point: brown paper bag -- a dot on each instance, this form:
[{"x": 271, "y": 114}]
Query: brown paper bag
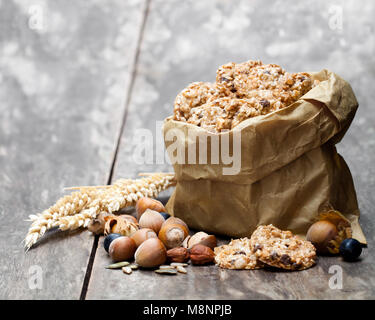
[{"x": 289, "y": 169}]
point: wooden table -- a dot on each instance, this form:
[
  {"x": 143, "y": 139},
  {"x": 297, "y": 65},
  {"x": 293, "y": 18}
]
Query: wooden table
[{"x": 78, "y": 78}]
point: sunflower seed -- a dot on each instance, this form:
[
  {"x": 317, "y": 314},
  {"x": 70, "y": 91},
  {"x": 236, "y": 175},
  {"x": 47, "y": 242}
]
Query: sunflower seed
[
  {"x": 179, "y": 264},
  {"x": 181, "y": 269},
  {"x": 127, "y": 270},
  {"x": 117, "y": 265}
]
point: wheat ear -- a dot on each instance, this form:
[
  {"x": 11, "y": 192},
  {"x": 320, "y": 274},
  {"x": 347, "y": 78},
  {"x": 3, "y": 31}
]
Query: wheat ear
[
  {"x": 82, "y": 206},
  {"x": 67, "y": 205},
  {"x": 122, "y": 194}
]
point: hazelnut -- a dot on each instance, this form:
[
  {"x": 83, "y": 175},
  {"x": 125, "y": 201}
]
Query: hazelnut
[
  {"x": 179, "y": 254},
  {"x": 328, "y": 233},
  {"x": 147, "y": 203},
  {"x": 142, "y": 235},
  {"x": 119, "y": 224},
  {"x": 201, "y": 254},
  {"x": 321, "y": 234},
  {"x": 108, "y": 240},
  {"x": 172, "y": 235},
  {"x": 174, "y": 220},
  {"x": 122, "y": 248},
  {"x": 151, "y": 253},
  {"x": 151, "y": 219},
  {"x": 202, "y": 238}
]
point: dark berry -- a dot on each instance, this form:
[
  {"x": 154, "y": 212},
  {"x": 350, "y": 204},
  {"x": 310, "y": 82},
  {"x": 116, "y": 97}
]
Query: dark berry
[
  {"x": 350, "y": 249},
  {"x": 165, "y": 215},
  {"x": 108, "y": 239}
]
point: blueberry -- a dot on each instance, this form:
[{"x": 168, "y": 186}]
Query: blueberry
[
  {"x": 165, "y": 215},
  {"x": 350, "y": 249},
  {"x": 108, "y": 239}
]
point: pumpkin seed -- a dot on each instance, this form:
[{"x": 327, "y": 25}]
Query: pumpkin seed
[
  {"x": 171, "y": 271},
  {"x": 117, "y": 265}
]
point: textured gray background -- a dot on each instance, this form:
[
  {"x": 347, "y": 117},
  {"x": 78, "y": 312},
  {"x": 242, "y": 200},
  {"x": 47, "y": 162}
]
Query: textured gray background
[{"x": 67, "y": 89}]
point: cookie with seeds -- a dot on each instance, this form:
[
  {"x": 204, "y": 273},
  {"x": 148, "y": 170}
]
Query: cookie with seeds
[
  {"x": 237, "y": 255},
  {"x": 194, "y": 95},
  {"x": 241, "y": 91},
  {"x": 282, "y": 249},
  {"x": 242, "y": 80}
]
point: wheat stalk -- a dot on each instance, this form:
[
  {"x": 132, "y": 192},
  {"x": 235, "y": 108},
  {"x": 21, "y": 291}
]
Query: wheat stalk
[
  {"x": 67, "y": 205},
  {"x": 76, "y": 210},
  {"x": 121, "y": 195}
]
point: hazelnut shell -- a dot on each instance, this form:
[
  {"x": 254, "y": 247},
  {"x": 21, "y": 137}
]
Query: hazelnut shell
[
  {"x": 172, "y": 235},
  {"x": 175, "y": 220},
  {"x": 130, "y": 218},
  {"x": 185, "y": 244},
  {"x": 322, "y": 235},
  {"x": 96, "y": 226},
  {"x": 122, "y": 248},
  {"x": 119, "y": 224},
  {"x": 202, "y": 238},
  {"x": 151, "y": 253},
  {"x": 147, "y": 203},
  {"x": 142, "y": 235},
  {"x": 151, "y": 219}
]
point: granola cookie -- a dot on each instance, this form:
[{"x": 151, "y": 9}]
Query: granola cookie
[
  {"x": 225, "y": 113},
  {"x": 237, "y": 255},
  {"x": 282, "y": 249},
  {"x": 194, "y": 95},
  {"x": 252, "y": 77},
  {"x": 241, "y": 91}
]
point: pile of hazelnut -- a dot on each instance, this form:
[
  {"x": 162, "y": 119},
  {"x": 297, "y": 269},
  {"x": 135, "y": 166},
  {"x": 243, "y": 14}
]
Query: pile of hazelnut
[{"x": 154, "y": 240}]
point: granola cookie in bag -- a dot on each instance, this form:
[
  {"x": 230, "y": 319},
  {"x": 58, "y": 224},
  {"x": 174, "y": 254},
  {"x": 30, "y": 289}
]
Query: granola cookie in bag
[{"x": 281, "y": 130}]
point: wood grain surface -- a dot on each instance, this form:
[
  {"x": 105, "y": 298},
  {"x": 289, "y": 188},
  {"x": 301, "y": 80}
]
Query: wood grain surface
[
  {"x": 62, "y": 97},
  {"x": 65, "y": 90}
]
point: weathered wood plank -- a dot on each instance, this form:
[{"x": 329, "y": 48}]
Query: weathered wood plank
[
  {"x": 187, "y": 41},
  {"x": 211, "y": 282},
  {"x": 62, "y": 97}
]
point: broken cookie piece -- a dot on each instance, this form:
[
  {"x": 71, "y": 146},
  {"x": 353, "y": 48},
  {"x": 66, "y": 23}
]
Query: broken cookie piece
[{"x": 237, "y": 255}]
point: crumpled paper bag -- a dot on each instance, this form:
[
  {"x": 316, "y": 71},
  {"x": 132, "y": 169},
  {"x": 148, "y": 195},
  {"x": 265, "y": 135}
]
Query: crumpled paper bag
[{"x": 289, "y": 168}]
